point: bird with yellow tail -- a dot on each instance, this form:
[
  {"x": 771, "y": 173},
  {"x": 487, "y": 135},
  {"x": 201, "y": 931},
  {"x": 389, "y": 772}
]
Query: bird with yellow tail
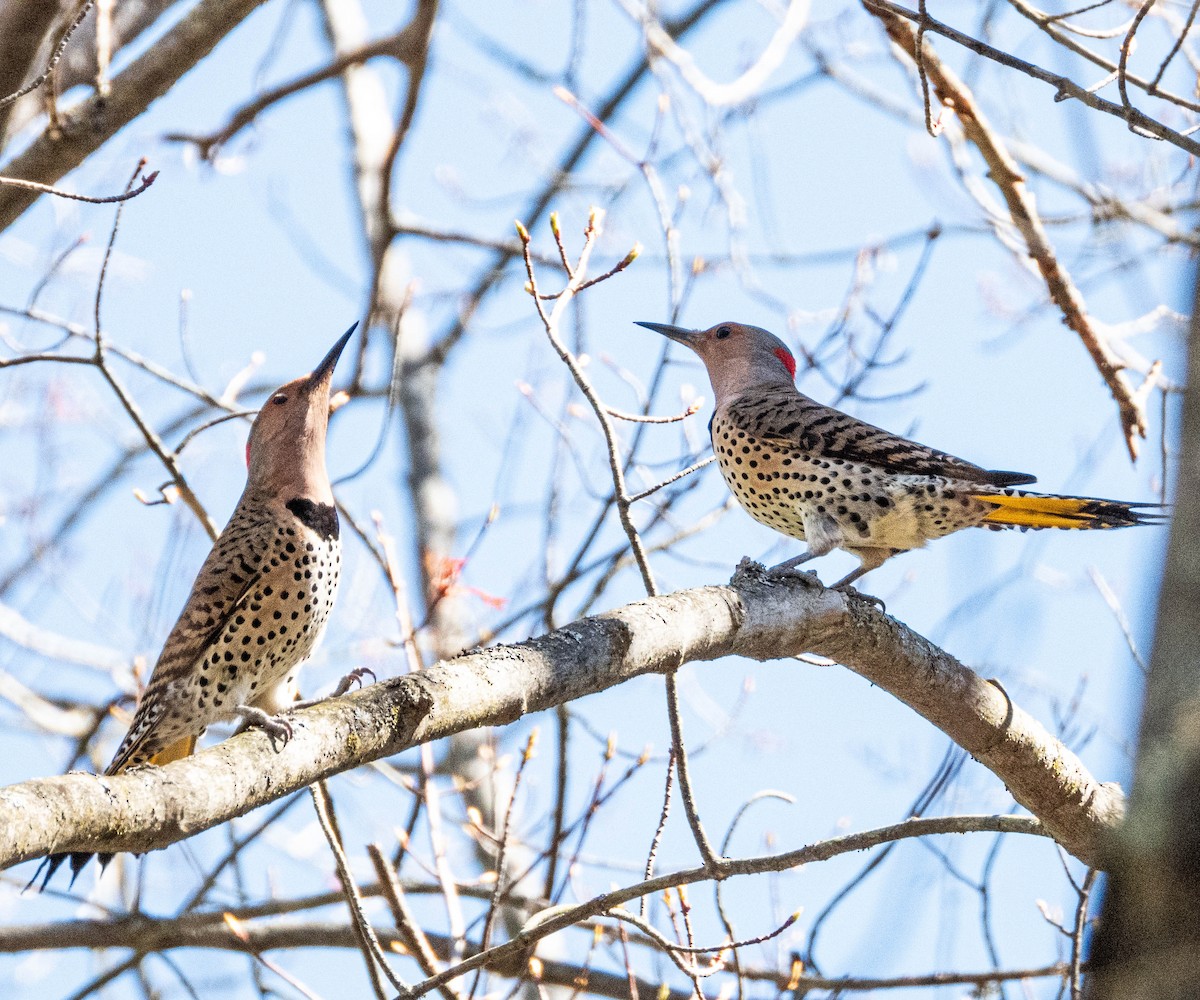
[
  {"x": 260, "y": 601},
  {"x": 836, "y": 482}
]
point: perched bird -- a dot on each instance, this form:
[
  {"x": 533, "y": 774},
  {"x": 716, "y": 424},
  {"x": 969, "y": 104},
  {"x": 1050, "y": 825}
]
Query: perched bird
[
  {"x": 261, "y": 599},
  {"x": 817, "y": 474}
]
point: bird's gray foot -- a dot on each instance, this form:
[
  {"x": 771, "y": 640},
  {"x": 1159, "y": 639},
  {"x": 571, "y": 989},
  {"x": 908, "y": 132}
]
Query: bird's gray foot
[
  {"x": 789, "y": 569},
  {"x": 277, "y": 727},
  {"x": 749, "y": 571},
  {"x": 785, "y": 572}
]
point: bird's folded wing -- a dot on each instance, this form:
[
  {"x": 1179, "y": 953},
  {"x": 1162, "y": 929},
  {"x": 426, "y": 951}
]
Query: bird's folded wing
[
  {"x": 820, "y": 430},
  {"x": 224, "y": 588}
]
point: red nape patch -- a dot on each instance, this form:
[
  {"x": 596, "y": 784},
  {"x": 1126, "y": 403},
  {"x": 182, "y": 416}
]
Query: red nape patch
[{"x": 784, "y": 355}]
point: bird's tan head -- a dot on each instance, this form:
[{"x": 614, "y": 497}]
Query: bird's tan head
[
  {"x": 286, "y": 449},
  {"x": 738, "y": 356}
]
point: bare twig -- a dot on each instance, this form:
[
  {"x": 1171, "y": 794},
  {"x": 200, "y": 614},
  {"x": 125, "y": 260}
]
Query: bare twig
[
  {"x": 673, "y": 479},
  {"x": 681, "y": 763},
  {"x": 746, "y": 86},
  {"x": 155, "y": 443},
  {"x": 428, "y": 788},
  {"x": 505, "y": 834},
  {"x": 74, "y": 196},
  {"x": 640, "y": 418},
  {"x": 550, "y": 322},
  {"x": 404, "y": 45},
  {"x": 55, "y": 56},
  {"x": 406, "y": 922},
  {"x": 1075, "y": 977},
  {"x": 236, "y": 929},
  {"x": 663, "y": 814},
  {"x": 371, "y": 948},
  {"x": 559, "y": 918},
  {"x": 1123, "y": 63},
  {"x": 1064, "y": 87}
]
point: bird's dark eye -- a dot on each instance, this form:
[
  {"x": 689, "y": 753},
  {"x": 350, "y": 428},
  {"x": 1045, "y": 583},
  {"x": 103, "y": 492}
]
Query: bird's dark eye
[
  {"x": 279, "y": 399},
  {"x": 723, "y": 332}
]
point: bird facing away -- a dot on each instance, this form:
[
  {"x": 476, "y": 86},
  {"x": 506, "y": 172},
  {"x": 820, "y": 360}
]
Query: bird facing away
[
  {"x": 823, "y": 476},
  {"x": 260, "y": 601}
]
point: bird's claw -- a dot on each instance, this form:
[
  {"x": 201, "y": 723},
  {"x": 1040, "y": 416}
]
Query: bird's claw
[
  {"x": 354, "y": 677},
  {"x": 277, "y": 727},
  {"x": 858, "y": 595}
]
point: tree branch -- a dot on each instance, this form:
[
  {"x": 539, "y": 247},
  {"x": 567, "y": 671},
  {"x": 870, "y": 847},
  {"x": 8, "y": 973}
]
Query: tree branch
[
  {"x": 753, "y": 616},
  {"x": 149, "y": 934}
]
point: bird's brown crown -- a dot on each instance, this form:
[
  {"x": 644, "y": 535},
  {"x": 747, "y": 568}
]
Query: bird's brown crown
[{"x": 287, "y": 440}]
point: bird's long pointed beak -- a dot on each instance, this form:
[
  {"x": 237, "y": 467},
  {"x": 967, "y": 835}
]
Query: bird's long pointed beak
[
  {"x": 324, "y": 371},
  {"x": 679, "y": 334}
]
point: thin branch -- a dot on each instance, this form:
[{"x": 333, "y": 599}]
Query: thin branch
[
  {"x": 745, "y": 87},
  {"x": 405, "y": 46},
  {"x": 74, "y": 196},
  {"x": 560, "y": 918},
  {"x": 663, "y": 815},
  {"x": 641, "y": 418},
  {"x": 1123, "y": 62},
  {"x": 168, "y": 458},
  {"x": 1075, "y": 977},
  {"x": 505, "y": 835},
  {"x": 679, "y": 748},
  {"x": 550, "y": 321},
  {"x": 1064, "y": 87},
  {"x": 670, "y": 946},
  {"x": 42, "y": 77},
  {"x": 616, "y": 467},
  {"x": 1050, "y": 24},
  {"x": 255, "y": 937},
  {"x": 673, "y": 479},
  {"x": 369, "y": 941},
  {"x": 407, "y": 924}
]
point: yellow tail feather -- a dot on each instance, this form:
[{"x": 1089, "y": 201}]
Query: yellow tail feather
[
  {"x": 176, "y": 751},
  {"x": 1030, "y": 510}
]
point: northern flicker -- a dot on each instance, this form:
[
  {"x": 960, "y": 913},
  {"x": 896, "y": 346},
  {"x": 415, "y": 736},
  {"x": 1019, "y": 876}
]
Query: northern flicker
[
  {"x": 823, "y": 476},
  {"x": 260, "y": 601}
]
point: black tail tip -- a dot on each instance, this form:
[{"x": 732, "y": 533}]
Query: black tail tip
[
  {"x": 1002, "y": 478},
  {"x": 49, "y": 865},
  {"x": 1119, "y": 514},
  {"x": 52, "y": 863}
]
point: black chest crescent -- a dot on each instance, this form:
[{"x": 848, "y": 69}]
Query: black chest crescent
[{"x": 320, "y": 517}]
